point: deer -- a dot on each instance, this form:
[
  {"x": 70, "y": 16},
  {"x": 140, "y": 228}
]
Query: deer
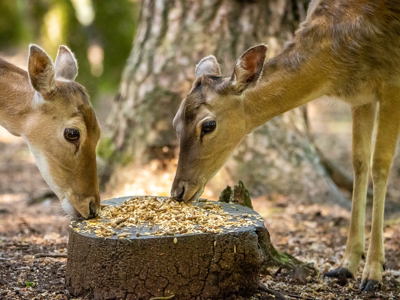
[
  {"x": 349, "y": 49},
  {"x": 54, "y": 115}
]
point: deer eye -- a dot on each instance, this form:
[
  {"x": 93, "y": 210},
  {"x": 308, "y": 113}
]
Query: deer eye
[
  {"x": 71, "y": 135},
  {"x": 208, "y": 127}
]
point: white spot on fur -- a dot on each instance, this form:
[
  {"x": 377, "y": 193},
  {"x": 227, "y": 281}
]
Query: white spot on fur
[{"x": 37, "y": 99}]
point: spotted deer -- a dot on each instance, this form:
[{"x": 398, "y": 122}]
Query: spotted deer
[
  {"x": 53, "y": 114},
  {"x": 349, "y": 49}
]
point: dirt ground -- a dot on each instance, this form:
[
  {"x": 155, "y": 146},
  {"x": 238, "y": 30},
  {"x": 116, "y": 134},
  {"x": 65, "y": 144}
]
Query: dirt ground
[{"x": 315, "y": 234}]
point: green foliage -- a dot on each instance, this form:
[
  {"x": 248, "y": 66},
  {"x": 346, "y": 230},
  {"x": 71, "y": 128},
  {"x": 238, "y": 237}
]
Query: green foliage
[
  {"x": 106, "y": 151},
  {"x": 105, "y": 148},
  {"x": 29, "y": 283},
  {"x": 12, "y": 27},
  {"x": 50, "y": 23}
]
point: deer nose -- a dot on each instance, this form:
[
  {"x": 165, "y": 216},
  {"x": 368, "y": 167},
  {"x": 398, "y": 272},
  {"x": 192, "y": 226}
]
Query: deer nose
[
  {"x": 94, "y": 208},
  {"x": 178, "y": 193}
]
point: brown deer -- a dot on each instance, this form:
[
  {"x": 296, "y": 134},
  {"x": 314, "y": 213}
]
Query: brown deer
[
  {"x": 345, "y": 48},
  {"x": 53, "y": 114}
]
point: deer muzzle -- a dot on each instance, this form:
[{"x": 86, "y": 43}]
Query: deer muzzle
[
  {"x": 82, "y": 207},
  {"x": 185, "y": 190}
]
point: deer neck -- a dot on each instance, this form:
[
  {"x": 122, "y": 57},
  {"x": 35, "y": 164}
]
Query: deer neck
[
  {"x": 287, "y": 82},
  {"x": 16, "y": 98}
]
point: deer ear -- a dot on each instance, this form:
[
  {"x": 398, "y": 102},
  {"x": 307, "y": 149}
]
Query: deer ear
[
  {"x": 40, "y": 70},
  {"x": 248, "y": 68},
  {"x": 208, "y": 65},
  {"x": 66, "y": 65}
]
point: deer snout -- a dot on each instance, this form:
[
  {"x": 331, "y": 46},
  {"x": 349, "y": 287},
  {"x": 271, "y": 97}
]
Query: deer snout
[
  {"x": 186, "y": 190},
  {"x": 94, "y": 207},
  {"x": 82, "y": 207},
  {"x": 177, "y": 191}
]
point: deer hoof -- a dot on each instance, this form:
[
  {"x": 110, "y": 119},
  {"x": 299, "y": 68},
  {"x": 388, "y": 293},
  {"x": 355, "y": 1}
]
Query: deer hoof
[
  {"x": 370, "y": 285},
  {"x": 335, "y": 273}
]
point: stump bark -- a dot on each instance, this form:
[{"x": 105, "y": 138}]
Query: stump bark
[{"x": 188, "y": 266}]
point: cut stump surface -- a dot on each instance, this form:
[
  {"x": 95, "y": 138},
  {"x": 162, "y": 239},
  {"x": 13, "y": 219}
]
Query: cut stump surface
[{"x": 188, "y": 266}]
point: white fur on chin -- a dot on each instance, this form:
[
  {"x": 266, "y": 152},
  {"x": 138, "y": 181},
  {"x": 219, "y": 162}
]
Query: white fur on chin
[{"x": 69, "y": 209}]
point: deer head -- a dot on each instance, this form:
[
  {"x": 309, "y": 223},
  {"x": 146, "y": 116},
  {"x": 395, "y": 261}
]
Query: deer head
[
  {"x": 62, "y": 131},
  {"x": 212, "y": 120}
]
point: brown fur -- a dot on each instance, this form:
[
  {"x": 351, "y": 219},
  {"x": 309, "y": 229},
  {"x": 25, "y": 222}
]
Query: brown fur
[
  {"x": 356, "y": 41},
  {"x": 345, "y": 48},
  {"x": 39, "y": 106}
]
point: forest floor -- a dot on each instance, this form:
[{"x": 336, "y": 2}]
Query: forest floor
[
  {"x": 314, "y": 234},
  {"x": 31, "y": 234}
]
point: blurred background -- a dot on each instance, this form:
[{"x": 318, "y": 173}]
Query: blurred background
[{"x": 99, "y": 32}]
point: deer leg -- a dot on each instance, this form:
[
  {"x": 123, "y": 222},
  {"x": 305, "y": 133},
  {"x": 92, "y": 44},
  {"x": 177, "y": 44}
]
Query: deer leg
[
  {"x": 385, "y": 147},
  {"x": 363, "y": 125}
]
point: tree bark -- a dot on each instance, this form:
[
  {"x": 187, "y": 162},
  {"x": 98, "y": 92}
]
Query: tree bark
[
  {"x": 172, "y": 37},
  {"x": 188, "y": 266}
]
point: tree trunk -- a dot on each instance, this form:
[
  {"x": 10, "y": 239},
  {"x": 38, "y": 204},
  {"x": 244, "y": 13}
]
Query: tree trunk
[
  {"x": 188, "y": 266},
  {"x": 172, "y": 37}
]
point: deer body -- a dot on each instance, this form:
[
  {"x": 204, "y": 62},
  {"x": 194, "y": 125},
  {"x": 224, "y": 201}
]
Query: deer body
[
  {"x": 349, "y": 49},
  {"x": 53, "y": 114}
]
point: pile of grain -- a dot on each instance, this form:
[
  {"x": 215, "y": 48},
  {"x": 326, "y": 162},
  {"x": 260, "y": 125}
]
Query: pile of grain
[{"x": 164, "y": 216}]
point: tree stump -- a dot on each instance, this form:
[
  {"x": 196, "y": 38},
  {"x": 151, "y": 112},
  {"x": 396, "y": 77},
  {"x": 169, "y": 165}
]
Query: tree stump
[{"x": 188, "y": 266}]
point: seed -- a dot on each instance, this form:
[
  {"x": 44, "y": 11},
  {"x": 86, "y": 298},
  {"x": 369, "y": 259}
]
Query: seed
[
  {"x": 169, "y": 216},
  {"x": 137, "y": 234},
  {"x": 175, "y": 240},
  {"x": 120, "y": 226},
  {"x": 119, "y": 221},
  {"x": 122, "y": 235}
]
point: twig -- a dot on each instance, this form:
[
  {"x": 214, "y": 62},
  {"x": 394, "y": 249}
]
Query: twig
[
  {"x": 277, "y": 295},
  {"x": 50, "y": 255},
  {"x": 4, "y": 282},
  {"x": 300, "y": 297},
  {"x": 162, "y": 298},
  {"x": 297, "y": 297}
]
